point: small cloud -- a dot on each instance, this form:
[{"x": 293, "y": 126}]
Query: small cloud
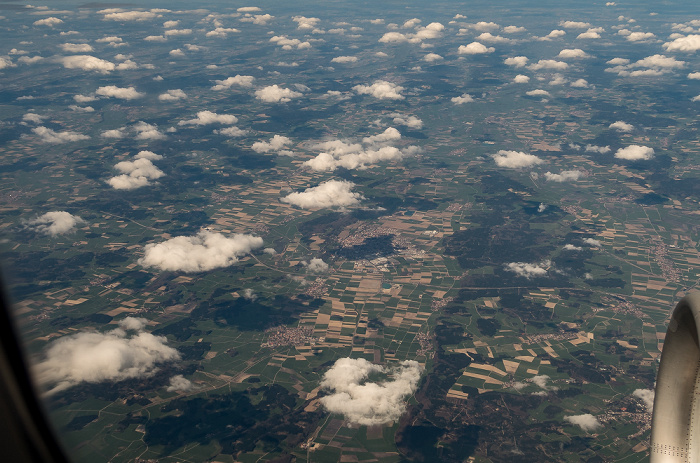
[
  {"x": 47, "y": 135},
  {"x": 647, "y": 396},
  {"x": 474, "y": 48},
  {"x": 87, "y": 63},
  {"x": 571, "y": 247},
  {"x": 232, "y": 132},
  {"x": 580, "y": 83},
  {"x": 123, "y": 93},
  {"x": 516, "y": 61},
  {"x": 50, "y": 21},
  {"x": 621, "y": 126},
  {"x": 573, "y": 53},
  {"x": 172, "y": 95},
  {"x": 208, "y": 117},
  {"x": 130, "y": 16},
  {"x": 538, "y": 92},
  {"x": 463, "y": 98},
  {"x": 586, "y": 422},
  {"x": 516, "y": 159},
  {"x": 635, "y": 153},
  {"x": 276, "y": 94},
  {"x": 316, "y": 265},
  {"x": 548, "y": 64},
  {"x": 381, "y": 90},
  {"x": 137, "y": 173},
  {"x": 411, "y": 122},
  {"x": 432, "y": 57},
  {"x": 276, "y": 143},
  {"x": 180, "y": 384},
  {"x": 574, "y": 24},
  {"x": 521, "y": 79},
  {"x": 55, "y": 223},
  {"x": 242, "y": 81},
  {"x": 527, "y": 270},
  {"x": 564, "y": 176},
  {"x": 332, "y": 193},
  {"x": 344, "y": 59},
  {"x": 597, "y": 149},
  {"x": 592, "y": 242},
  {"x": 199, "y": 253},
  {"x": 76, "y": 47}
]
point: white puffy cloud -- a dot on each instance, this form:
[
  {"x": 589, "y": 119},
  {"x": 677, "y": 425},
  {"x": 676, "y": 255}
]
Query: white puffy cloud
[
  {"x": 654, "y": 65},
  {"x": 32, "y": 117},
  {"x": 521, "y": 79},
  {"x": 432, "y": 57},
  {"x": 145, "y": 154},
  {"x": 589, "y": 34},
  {"x": 306, "y": 23},
  {"x": 248, "y": 9},
  {"x": 647, "y": 396},
  {"x": 556, "y": 33},
  {"x": 586, "y": 422},
  {"x": 76, "y": 47},
  {"x": 622, "y": 126},
  {"x": 538, "y": 92},
  {"x": 199, "y": 253},
  {"x": 574, "y": 24},
  {"x": 176, "y": 52},
  {"x": 527, "y": 270},
  {"x": 50, "y": 21},
  {"x": 84, "y": 98},
  {"x": 516, "y": 61},
  {"x": 85, "y": 109},
  {"x": 222, "y": 32},
  {"x": 242, "y": 81},
  {"x": 259, "y": 19},
  {"x": 123, "y": 93},
  {"x": 47, "y": 135},
  {"x": 87, "y": 63},
  {"x": 145, "y": 131},
  {"x": 365, "y": 402},
  {"x": 639, "y": 36},
  {"x": 114, "y": 133},
  {"x": 55, "y": 223},
  {"x": 635, "y": 153},
  {"x": 276, "y": 143},
  {"x": 580, "y": 83},
  {"x": 289, "y": 44},
  {"x": 597, "y": 149},
  {"x": 573, "y": 53},
  {"x": 513, "y": 29},
  {"x": 172, "y": 95},
  {"x": 592, "y": 242},
  {"x": 483, "y": 26},
  {"x": 548, "y": 64},
  {"x": 180, "y": 384},
  {"x": 93, "y": 357},
  {"x": 563, "y": 176},
  {"x": 381, "y": 89},
  {"x": 489, "y": 37},
  {"x": 411, "y": 122},
  {"x": 333, "y": 193},
  {"x": 618, "y": 61},
  {"x": 344, "y": 59},
  {"x": 316, "y": 265},
  {"x": 694, "y": 75},
  {"x": 463, "y": 98},
  {"x": 27, "y": 60},
  {"x": 474, "y": 48},
  {"x": 231, "y": 132},
  {"x": 571, "y": 247},
  {"x": 558, "y": 79},
  {"x": 208, "y": 117},
  {"x": 135, "y": 174},
  {"x": 515, "y": 159},
  {"x": 155, "y": 38},
  {"x": 689, "y": 43},
  {"x": 130, "y": 16},
  {"x": 177, "y": 32},
  {"x": 276, "y": 94}
]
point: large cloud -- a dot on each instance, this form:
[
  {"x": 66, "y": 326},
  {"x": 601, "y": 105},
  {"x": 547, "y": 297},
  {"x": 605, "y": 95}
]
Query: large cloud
[
  {"x": 365, "y": 402},
  {"x": 87, "y": 63},
  {"x": 333, "y": 193},
  {"x": 373, "y": 149},
  {"x": 199, "y": 253},
  {"x": 515, "y": 159},
  {"x": 123, "y": 93},
  {"x": 208, "y": 117},
  {"x": 136, "y": 173},
  {"x": 276, "y": 94},
  {"x": 647, "y": 396},
  {"x": 690, "y": 43},
  {"x": 381, "y": 89},
  {"x": 47, "y": 135},
  {"x": 586, "y": 422},
  {"x": 55, "y": 223},
  {"x": 635, "y": 153},
  {"x": 94, "y": 357},
  {"x": 242, "y": 81}
]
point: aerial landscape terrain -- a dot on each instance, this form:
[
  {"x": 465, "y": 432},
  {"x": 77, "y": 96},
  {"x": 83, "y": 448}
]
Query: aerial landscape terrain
[{"x": 349, "y": 231}]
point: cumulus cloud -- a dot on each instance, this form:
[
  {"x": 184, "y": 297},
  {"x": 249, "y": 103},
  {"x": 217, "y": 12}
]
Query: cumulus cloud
[
  {"x": 597, "y": 149},
  {"x": 337, "y": 153},
  {"x": 463, "y": 98},
  {"x": 222, "y": 32},
  {"x": 113, "y": 133},
  {"x": 180, "y": 384},
  {"x": 622, "y": 126},
  {"x": 586, "y": 422},
  {"x": 592, "y": 242},
  {"x": 242, "y": 81},
  {"x": 55, "y": 223},
  {"x": 123, "y": 93},
  {"x": 333, "y": 193},
  {"x": 689, "y": 43},
  {"x": 548, "y": 64},
  {"x": 432, "y": 57},
  {"x": 639, "y": 36},
  {"x": 47, "y": 135},
  {"x": 123, "y": 16},
  {"x": 556, "y": 33},
  {"x": 563, "y": 176},
  {"x": 538, "y": 92},
  {"x": 589, "y": 34},
  {"x": 137, "y": 173},
  {"x": 694, "y": 75},
  {"x": 276, "y": 143},
  {"x": 145, "y": 131},
  {"x": 50, "y": 21},
  {"x": 474, "y": 48},
  {"x": 289, "y": 44},
  {"x": 172, "y": 95},
  {"x": 316, "y": 265},
  {"x": 513, "y": 29},
  {"x": 647, "y": 396},
  {"x": 381, "y": 89},
  {"x": 93, "y": 357},
  {"x": 573, "y": 53},
  {"x": 84, "y": 98},
  {"x": 208, "y": 117},
  {"x": 87, "y": 63},
  {"x": 411, "y": 122},
  {"x": 32, "y": 117},
  {"x": 574, "y": 24},
  {"x": 276, "y": 94},
  {"x": 571, "y": 247},
  {"x": 199, "y": 253},
  {"x": 365, "y": 402},
  {"x": 528, "y": 270},
  {"x": 521, "y": 79},
  {"x": 76, "y": 47},
  {"x": 516, "y": 61},
  {"x": 231, "y": 132},
  {"x": 635, "y": 153},
  {"x": 580, "y": 83},
  {"x": 516, "y": 159},
  {"x": 344, "y": 59},
  {"x": 654, "y": 65}
]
